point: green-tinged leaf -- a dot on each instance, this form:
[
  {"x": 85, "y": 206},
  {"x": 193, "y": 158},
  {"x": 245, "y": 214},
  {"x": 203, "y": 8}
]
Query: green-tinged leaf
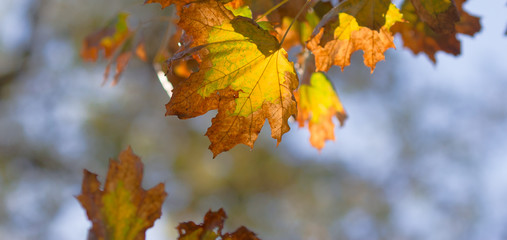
[
  {"x": 123, "y": 210},
  {"x": 243, "y": 73},
  {"x": 317, "y": 104}
]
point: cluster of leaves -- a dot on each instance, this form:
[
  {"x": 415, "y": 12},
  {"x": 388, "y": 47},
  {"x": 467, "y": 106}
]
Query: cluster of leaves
[
  {"x": 124, "y": 210},
  {"x": 232, "y": 57}
]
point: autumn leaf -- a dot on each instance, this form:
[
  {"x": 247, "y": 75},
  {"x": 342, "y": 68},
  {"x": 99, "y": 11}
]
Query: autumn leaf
[
  {"x": 243, "y": 73},
  {"x": 440, "y": 15},
  {"x": 116, "y": 41},
  {"x": 420, "y": 37},
  {"x": 354, "y": 25},
  {"x": 211, "y": 229},
  {"x": 239, "y": 8},
  {"x": 318, "y": 103},
  {"x": 123, "y": 210}
]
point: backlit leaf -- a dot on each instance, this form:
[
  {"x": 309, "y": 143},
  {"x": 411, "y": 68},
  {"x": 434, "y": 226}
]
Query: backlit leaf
[
  {"x": 123, "y": 210},
  {"x": 242, "y": 72},
  {"x": 354, "y": 25},
  {"x": 318, "y": 103}
]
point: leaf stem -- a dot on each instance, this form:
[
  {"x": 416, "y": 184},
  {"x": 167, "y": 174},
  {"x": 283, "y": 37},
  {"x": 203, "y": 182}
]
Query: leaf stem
[
  {"x": 271, "y": 10},
  {"x": 308, "y": 67},
  {"x": 294, "y": 20}
]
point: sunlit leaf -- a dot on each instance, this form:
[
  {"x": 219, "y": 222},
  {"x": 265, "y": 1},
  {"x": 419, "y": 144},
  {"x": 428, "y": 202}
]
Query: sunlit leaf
[
  {"x": 354, "y": 25},
  {"x": 242, "y": 72},
  {"x": 318, "y": 103}
]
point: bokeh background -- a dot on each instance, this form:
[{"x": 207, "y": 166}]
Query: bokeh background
[{"x": 423, "y": 154}]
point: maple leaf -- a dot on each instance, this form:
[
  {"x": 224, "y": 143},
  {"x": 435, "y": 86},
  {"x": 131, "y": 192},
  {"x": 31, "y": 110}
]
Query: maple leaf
[
  {"x": 420, "y": 37},
  {"x": 115, "y": 40},
  {"x": 354, "y": 25},
  {"x": 211, "y": 229},
  {"x": 243, "y": 73},
  {"x": 123, "y": 210},
  {"x": 317, "y": 104}
]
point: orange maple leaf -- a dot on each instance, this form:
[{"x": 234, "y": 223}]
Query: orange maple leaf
[{"x": 354, "y": 25}]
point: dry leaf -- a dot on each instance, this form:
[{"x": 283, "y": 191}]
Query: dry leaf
[{"x": 211, "y": 229}]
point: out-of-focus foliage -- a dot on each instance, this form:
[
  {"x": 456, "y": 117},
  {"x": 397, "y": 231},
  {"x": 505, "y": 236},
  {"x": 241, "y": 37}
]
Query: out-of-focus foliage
[
  {"x": 123, "y": 209},
  {"x": 318, "y": 104},
  {"x": 117, "y": 43},
  {"x": 435, "y": 29}
]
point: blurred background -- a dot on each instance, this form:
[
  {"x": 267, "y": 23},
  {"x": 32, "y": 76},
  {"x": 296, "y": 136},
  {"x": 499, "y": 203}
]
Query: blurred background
[{"x": 423, "y": 154}]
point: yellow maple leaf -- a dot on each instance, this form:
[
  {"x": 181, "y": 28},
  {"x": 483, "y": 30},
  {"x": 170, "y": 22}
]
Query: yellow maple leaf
[
  {"x": 317, "y": 104},
  {"x": 243, "y": 72},
  {"x": 123, "y": 210},
  {"x": 354, "y": 25}
]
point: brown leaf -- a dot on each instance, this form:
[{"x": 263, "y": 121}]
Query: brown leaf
[
  {"x": 440, "y": 15},
  {"x": 211, "y": 229},
  {"x": 467, "y": 24},
  {"x": 121, "y": 63},
  {"x": 419, "y": 36},
  {"x": 123, "y": 210}
]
